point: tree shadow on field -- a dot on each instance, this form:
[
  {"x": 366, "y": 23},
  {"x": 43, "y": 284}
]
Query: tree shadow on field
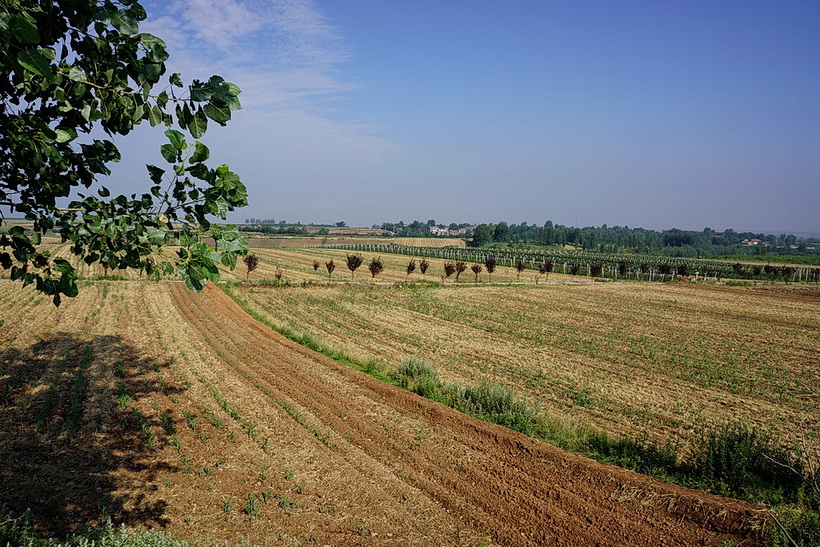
[{"x": 78, "y": 439}]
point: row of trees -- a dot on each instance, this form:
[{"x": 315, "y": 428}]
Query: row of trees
[
  {"x": 616, "y": 266},
  {"x": 672, "y": 242},
  {"x": 662, "y": 272}
]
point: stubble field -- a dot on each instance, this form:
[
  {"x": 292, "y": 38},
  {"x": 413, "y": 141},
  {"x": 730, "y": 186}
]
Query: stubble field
[
  {"x": 662, "y": 361},
  {"x": 155, "y": 406}
]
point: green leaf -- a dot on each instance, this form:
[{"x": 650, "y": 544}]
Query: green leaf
[
  {"x": 175, "y": 80},
  {"x": 198, "y": 125},
  {"x": 154, "y": 116},
  {"x": 168, "y": 152},
  {"x": 156, "y": 236},
  {"x": 177, "y": 139},
  {"x": 24, "y": 29},
  {"x": 201, "y": 153},
  {"x": 155, "y": 173},
  {"x": 124, "y": 22},
  {"x": 33, "y": 61},
  {"x": 65, "y": 134},
  {"x": 218, "y": 113},
  {"x": 77, "y": 74},
  {"x": 104, "y": 192}
]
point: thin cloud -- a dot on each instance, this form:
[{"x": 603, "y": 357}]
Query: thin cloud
[{"x": 280, "y": 52}]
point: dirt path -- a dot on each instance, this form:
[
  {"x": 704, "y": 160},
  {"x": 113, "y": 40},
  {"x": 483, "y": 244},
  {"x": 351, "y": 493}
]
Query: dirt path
[{"x": 468, "y": 477}]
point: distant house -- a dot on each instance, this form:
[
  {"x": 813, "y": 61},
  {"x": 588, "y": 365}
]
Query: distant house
[
  {"x": 753, "y": 242},
  {"x": 439, "y": 231}
]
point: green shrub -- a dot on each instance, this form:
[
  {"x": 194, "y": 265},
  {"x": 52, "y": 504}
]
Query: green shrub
[
  {"x": 497, "y": 404},
  {"x": 741, "y": 461},
  {"x": 640, "y": 455},
  {"x": 801, "y": 525},
  {"x": 418, "y": 376}
]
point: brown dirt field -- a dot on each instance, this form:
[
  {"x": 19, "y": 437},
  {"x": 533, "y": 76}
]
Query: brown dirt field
[{"x": 185, "y": 407}]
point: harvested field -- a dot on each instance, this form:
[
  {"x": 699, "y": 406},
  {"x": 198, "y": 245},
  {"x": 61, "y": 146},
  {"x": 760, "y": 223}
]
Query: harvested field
[
  {"x": 663, "y": 361},
  {"x": 157, "y": 406}
]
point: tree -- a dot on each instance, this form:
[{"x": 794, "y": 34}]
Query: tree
[
  {"x": 544, "y": 268},
  {"x": 490, "y": 263},
  {"x": 330, "y": 267},
  {"x": 423, "y": 265},
  {"x": 411, "y": 267},
  {"x": 476, "y": 270},
  {"x": 316, "y": 265},
  {"x": 519, "y": 266},
  {"x": 70, "y": 72},
  {"x": 449, "y": 268},
  {"x": 375, "y": 267},
  {"x": 481, "y": 235},
  {"x": 353, "y": 263},
  {"x": 251, "y": 262},
  {"x": 501, "y": 232},
  {"x": 461, "y": 266}
]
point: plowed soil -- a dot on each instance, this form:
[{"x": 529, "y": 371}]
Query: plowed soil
[{"x": 229, "y": 431}]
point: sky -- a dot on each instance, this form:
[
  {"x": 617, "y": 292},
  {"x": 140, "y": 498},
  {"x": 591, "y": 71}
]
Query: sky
[{"x": 681, "y": 114}]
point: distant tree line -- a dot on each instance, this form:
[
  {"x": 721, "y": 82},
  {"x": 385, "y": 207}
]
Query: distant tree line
[{"x": 616, "y": 239}]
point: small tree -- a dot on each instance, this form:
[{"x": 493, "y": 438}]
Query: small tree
[
  {"x": 595, "y": 270},
  {"x": 461, "y": 266},
  {"x": 423, "y": 265},
  {"x": 490, "y": 263},
  {"x": 411, "y": 267},
  {"x": 375, "y": 267},
  {"x": 622, "y": 268},
  {"x": 664, "y": 269},
  {"x": 251, "y": 262},
  {"x": 353, "y": 263},
  {"x": 316, "y": 265},
  {"x": 330, "y": 267},
  {"x": 683, "y": 269},
  {"x": 279, "y": 274},
  {"x": 542, "y": 269},
  {"x": 575, "y": 268},
  {"x": 519, "y": 266},
  {"x": 476, "y": 270},
  {"x": 449, "y": 268}
]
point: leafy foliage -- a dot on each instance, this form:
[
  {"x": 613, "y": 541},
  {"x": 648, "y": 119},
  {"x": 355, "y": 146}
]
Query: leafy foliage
[
  {"x": 72, "y": 71},
  {"x": 375, "y": 267},
  {"x": 476, "y": 268},
  {"x": 330, "y": 267},
  {"x": 461, "y": 266},
  {"x": 251, "y": 263},
  {"x": 353, "y": 263}
]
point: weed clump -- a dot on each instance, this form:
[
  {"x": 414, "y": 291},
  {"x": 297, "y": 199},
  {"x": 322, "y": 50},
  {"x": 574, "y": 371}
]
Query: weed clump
[
  {"x": 418, "y": 376},
  {"x": 737, "y": 460},
  {"x": 497, "y": 404}
]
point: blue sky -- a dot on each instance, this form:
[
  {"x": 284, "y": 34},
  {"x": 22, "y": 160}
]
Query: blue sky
[{"x": 654, "y": 114}]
